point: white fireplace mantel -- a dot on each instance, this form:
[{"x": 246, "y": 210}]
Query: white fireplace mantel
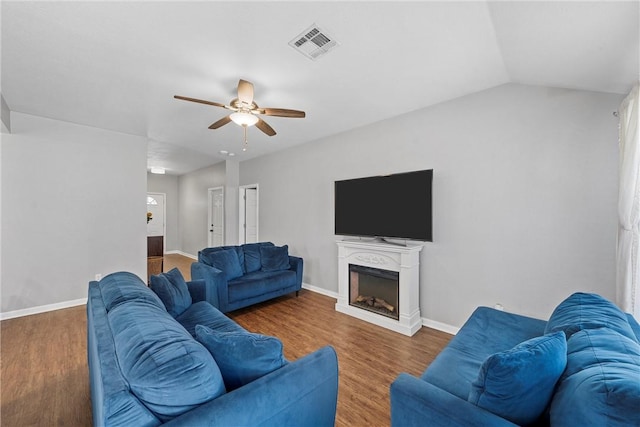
[{"x": 385, "y": 256}]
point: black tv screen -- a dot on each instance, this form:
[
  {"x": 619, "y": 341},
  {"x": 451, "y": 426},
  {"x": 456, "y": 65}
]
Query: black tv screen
[{"x": 396, "y": 206}]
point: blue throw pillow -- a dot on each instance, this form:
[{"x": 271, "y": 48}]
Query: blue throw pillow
[
  {"x": 241, "y": 356},
  {"x": 518, "y": 384},
  {"x": 227, "y": 261},
  {"x": 275, "y": 258},
  {"x": 601, "y": 385},
  {"x": 168, "y": 371},
  {"x": 173, "y": 291},
  {"x": 252, "y": 258},
  {"x": 588, "y": 311}
]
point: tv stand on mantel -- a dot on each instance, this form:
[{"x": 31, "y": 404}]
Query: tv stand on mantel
[{"x": 382, "y": 240}]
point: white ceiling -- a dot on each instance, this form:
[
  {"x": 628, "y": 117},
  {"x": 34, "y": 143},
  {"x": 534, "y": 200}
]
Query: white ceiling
[{"x": 117, "y": 65}]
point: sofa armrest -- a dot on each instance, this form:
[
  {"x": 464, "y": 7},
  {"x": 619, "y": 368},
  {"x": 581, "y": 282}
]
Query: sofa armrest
[
  {"x": 301, "y": 393},
  {"x": 416, "y": 402},
  {"x": 297, "y": 264},
  {"x": 215, "y": 282}
]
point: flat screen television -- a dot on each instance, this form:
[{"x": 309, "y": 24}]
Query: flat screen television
[{"x": 394, "y": 206}]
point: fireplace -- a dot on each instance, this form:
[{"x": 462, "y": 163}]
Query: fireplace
[
  {"x": 379, "y": 283},
  {"x": 374, "y": 289}
]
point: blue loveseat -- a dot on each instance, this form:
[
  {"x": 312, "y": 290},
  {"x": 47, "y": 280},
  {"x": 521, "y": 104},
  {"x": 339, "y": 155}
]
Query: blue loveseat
[
  {"x": 239, "y": 276},
  {"x": 581, "y": 368},
  {"x": 193, "y": 366}
]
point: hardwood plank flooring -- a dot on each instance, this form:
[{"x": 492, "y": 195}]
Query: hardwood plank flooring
[{"x": 43, "y": 367}]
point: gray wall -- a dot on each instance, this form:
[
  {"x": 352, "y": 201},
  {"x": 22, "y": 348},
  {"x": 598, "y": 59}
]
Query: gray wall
[
  {"x": 525, "y": 194},
  {"x": 167, "y": 184},
  {"x": 231, "y": 208},
  {"x": 73, "y": 203},
  {"x": 193, "y": 205}
]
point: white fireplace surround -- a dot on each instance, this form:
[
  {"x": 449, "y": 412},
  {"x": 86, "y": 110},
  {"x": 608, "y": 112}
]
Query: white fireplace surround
[{"x": 385, "y": 256}]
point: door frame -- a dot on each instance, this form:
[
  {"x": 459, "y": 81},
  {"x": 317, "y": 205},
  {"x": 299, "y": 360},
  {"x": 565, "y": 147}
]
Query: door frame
[
  {"x": 164, "y": 216},
  {"x": 210, "y": 215},
  {"x": 242, "y": 211}
]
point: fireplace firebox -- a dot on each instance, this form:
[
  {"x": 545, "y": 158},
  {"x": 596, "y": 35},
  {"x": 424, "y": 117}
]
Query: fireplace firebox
[{"x": 374, "y": 289}]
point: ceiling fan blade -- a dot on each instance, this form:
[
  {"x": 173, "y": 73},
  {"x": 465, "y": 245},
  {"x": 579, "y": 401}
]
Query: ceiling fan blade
[
  {"x": 245, "y": 91},
  {"x": 223, "y": 121},
  {"x": 264, "y": 127},
  {"x": 200, "y": 101},
  {"x": 282, "y": 112}
]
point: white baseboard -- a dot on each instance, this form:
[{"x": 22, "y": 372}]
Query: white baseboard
[
  {"x": 320, "y": 290},
  {"x": 183, "y": 254},
  {"x": 433, "y": 324},
  {"x": 42, "y": 309}
]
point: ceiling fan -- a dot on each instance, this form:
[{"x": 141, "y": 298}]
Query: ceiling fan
[{"x": 245, "y": 111}]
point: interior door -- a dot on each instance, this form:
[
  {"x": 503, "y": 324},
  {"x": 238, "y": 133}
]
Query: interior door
[
  {"x": 251, "y": 215},
  {"x": 155, "y": 214},
  {"x": 216, "y": 217}
]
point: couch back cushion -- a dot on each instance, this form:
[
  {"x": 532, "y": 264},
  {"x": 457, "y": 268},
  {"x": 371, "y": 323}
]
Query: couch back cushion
[
  {"x": 601, "y": 384},
  {"x": 517, "y": 384},
  {"x": 242, "y": 356},
  {"x": 588, "y": 311},
  {"x": 121, "y": 287},
  {"x": 167, "y": 370},
  {"x": 274, "y": 258},
  {"x": 227, "y": 261},
  {"x": 172, "y": 290},
  {"x": 203, "y": 254},
  {"x": 252, "y": 257}
]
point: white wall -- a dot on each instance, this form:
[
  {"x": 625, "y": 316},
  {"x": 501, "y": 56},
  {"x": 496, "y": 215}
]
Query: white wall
[
  {"x": 193, "y": 205},
  {"x": 525, "y": 190},
  {"x": 73, "y": 203},
  {"x": 231, "y": 208},
  {"x": 167, "y": 184}
]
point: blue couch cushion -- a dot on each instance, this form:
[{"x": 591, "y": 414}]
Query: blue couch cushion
[
  {"x": 601, "y": 385},
  {"x": 167, "y": 370},
  {"x": 275, "y": 258},
  {"x": 260, "y": 283},
  {"x": 172, "y": 290},
  {"x": 588, "y": 311},
  {"x": 518, "y": 384},
  {"x": 203, "y": 313},
  {"x": 252, "y": 257},
  {"x": 121, "y": 287},
  {"x": 242, "y": 356},
  {"x": 457, "y": 366},
  {"x": 203, "y": 254},
  {"x": 227, "y": 261}
]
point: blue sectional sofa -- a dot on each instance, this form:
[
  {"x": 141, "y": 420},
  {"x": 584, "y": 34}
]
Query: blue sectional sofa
[
  {"x": 239, "y": 276},
  {"x": 169, "y": 358},
  {"x": 581, "y": 368}
]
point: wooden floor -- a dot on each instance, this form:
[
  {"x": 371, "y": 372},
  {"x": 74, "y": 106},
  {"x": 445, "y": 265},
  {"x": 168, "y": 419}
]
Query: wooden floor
[{"x": 44, "y": 380}]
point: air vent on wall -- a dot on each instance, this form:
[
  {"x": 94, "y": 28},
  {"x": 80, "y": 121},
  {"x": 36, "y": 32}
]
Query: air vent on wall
[{"x": 313, "y": 42}]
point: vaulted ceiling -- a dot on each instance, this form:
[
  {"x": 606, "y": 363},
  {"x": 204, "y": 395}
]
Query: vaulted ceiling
[{"x": 117, "y": 65}]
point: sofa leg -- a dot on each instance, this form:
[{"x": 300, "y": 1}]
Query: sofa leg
[{"x": 297, "y": 292}]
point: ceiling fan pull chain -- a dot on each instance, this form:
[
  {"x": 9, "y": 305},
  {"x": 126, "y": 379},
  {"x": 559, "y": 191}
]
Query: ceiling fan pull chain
[{"x": 244, "y": 148}]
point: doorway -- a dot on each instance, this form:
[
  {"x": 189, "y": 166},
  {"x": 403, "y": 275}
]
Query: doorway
[
  {"x": 216, "y": 217},
  {"x": 156, "y": 212},
  {"x": 248, "y": 214}
]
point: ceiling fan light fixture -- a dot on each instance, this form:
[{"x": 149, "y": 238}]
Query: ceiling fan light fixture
[{"x": 242, "y": 118}]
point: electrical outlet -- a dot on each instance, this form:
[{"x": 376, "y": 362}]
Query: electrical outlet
[
  {"x": 98, "y": 277},
  {"x": 499, "y": 306}
]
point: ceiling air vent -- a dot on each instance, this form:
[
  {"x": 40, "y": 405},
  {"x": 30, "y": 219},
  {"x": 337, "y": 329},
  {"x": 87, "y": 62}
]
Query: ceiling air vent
[{"x": 313, "y": 42}]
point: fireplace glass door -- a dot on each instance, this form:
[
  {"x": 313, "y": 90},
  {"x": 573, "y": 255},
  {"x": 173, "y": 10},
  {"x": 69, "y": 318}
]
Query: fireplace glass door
[{"x": 374, "y": 290}]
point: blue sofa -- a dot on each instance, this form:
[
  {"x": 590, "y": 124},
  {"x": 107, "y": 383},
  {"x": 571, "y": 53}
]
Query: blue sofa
[
  {"x": 239, "y": 276},
  {"x": 193, "y": 366},
  {"x": 580, "y": 368}
]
